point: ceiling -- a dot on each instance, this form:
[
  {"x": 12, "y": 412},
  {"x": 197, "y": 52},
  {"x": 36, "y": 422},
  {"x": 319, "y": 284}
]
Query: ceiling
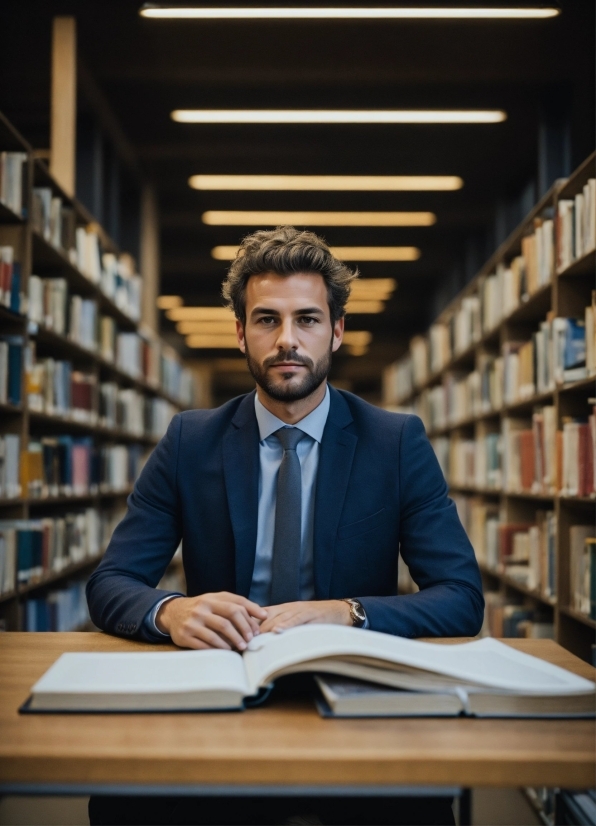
[{"x": 147, "y": 68}]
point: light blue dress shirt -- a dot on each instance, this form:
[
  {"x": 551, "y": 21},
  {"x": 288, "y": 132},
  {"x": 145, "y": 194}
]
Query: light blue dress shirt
[{"x": 270, "y": 456}]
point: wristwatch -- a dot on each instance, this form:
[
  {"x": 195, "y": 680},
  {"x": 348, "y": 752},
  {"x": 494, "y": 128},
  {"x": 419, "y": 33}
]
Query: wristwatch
[{"x": 357, "y": 612}]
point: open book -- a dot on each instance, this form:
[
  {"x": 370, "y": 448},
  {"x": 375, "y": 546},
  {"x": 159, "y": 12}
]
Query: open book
[{"x": 478, "y": 674}]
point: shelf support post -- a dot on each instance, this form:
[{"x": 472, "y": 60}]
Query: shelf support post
[
  {"x": 149, "y": 255},
  {"x": 63, "y": 111}
]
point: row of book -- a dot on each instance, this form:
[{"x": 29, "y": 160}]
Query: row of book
[
  {"x": 114, "y": 274},
  {"x": 11, "y": 295},
  {"x": 33, "y": 549},
  {"x": 75, "y": 466},
  {"x": 64, "y": 609},
  {"x": 562, "y": 350},
  {"x": 13, "y": 171},
  {"x": 506, "y": 617},
  {"x": 141, "y": 356},
  {"x": 576, "y": 226},
  {"x": 524, "y": 456},
  {"x": 523, "y": 551},
  {"x": 131, "y": 411},
  {"x": 55, "y": 388}
]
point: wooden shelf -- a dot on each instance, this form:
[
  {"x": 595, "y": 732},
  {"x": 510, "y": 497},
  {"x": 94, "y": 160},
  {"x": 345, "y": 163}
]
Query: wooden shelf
[
  {"x": 582, "y": 266},
  {"x": 55, "y": 577},
  {"x": 65, "y": 424},
  {"x": 7, "y": 216},
  {"x": 15, "y": 409},
  {"x": 10, "y": 316},
  {"x": 577, "y": 615},
  {"x": 566, "y": 295}
]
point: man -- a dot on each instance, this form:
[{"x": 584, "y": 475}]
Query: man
[{"x": 292, "y": 502}]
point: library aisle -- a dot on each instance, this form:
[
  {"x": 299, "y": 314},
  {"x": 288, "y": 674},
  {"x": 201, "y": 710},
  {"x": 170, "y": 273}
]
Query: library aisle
[{"x": 445, "y": 151}]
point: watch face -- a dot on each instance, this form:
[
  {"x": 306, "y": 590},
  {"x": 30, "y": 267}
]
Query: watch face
[{"x": 358, "y": 612}]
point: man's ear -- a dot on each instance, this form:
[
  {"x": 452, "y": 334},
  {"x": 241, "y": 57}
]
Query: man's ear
[
  {"x": 240, "y": 336},
  {"x": 338, "y": 334}
]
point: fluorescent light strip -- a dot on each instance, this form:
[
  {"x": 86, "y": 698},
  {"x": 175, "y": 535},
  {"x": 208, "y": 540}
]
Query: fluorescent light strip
[
  {"x": 337, "y": 116},
  {"x": 405, "y": 13},
  {"x": 186, "y": 328},
  {"x": 240, "y": 218},
  {"x": 166, "y": 302},
  {"x": 210, "y": 341},
  {"x": 364, "y": 307},
  {"x": 200, "y": 314},
  {"x": 228, "y": 253},
  {"x": 366, "y": 287},
  {"x": 323, "y": 183}
]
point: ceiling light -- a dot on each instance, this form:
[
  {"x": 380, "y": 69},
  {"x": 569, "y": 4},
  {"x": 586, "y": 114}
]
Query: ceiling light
[
  {"x": 186, "y": 328},
  {"x": 156, "y": 12},
  {"x": 228, "y": 253},
  {"x": 357, "y": 349},
  {"x": 357, "y": 307},
  {"x": 320, "y": 183},
  {"x": 338, "y": 116},
  {"x": 209, "y": 341},
  {"x": 240, "y": 218},
  {"x": 372, "y": 287},
  {"x": 200, "y": 314},
  {"x": 166, "y": 302},
  {"x": 357, "y": 337}
]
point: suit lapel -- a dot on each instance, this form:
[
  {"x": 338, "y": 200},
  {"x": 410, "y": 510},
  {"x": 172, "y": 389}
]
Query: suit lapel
[
  {"x": 335, "y": 462},
  {"x": 241, "y": 473}
]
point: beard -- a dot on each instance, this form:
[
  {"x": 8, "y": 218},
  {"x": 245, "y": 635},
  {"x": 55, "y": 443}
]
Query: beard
[{"x": 290, "y": 390}]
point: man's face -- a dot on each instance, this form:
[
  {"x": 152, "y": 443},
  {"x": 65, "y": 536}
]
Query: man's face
[{"x": 288, "y": 337}]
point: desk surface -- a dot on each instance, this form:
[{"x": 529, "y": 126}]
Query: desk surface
[{"x": 282, "y": 743}]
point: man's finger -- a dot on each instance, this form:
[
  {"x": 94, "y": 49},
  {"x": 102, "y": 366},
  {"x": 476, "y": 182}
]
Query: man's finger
[
  {"x": 239, "y": 617},
  {"x": 226, "y": 630},
  {"x": 210, "y": 637},
  {"x": 252, "y": 607}
]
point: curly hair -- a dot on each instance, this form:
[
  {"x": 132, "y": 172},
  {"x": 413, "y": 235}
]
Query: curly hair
[{"x": 286, "y": 251}]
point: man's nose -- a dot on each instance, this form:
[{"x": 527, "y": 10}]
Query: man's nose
[{"x": 287, "y": 338}]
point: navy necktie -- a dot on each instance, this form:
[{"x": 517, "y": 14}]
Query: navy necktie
[{"x": 285, "y": 569}]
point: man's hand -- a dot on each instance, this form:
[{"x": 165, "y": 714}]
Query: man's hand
[
  {"x": 220, "y": 620},
  {"x": 290, "y": 614}
]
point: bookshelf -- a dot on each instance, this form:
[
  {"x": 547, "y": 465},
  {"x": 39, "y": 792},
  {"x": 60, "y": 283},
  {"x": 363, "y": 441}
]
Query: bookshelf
[
  {"x": 153, "y": 384},
  {"x": 486, "y": 378}
]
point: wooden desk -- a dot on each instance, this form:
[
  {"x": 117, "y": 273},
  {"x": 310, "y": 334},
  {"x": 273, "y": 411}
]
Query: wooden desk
[{"x": 283, "y": 744}]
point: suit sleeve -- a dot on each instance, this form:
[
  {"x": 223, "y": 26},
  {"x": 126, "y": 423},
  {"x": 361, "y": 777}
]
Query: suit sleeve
[
  {"x": 122, "y": 590},
  {"x": 435, "y": 548}
]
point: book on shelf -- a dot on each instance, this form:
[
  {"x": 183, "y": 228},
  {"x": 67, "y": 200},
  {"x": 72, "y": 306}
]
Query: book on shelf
[
  {"x": 590, "y": 328},
  {"x": 11, "y": 360},
  {"x": 55, "y": 388},
  {"x": 578, "y": 454},
  {"x": 10, "y": 485},
  {"x": 538, "y": 250},
  {"x": 13, "y": 184},
  {"x": 505, "y": 618},
  {"x": 576, "y": 226},
  {"x": 569, "y": 349},
  {"x": 486, "y": 676},
  {"x": 33, "y": 549},
  {"x": 114, "y": 274},
  {"x": 61, "y": 609},
  {"x": 524, "y": 552},
  {"x": 11, "y": 295},
  {"x": 582, "y": 569}
]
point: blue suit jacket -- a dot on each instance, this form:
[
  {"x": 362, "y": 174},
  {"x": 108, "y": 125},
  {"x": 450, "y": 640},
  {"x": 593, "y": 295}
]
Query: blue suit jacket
[{"x": 379, "y": 490}]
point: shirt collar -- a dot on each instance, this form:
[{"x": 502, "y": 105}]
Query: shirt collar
[{"x": 313, "y": 424}]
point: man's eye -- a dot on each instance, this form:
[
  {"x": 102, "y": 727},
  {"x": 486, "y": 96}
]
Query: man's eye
[
  {"x": 267, "y": 320},
  {"x": 308, "y": 320}
]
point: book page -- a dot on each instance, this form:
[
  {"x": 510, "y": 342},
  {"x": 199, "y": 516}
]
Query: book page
[
  {"x": 487, "y": 663},
  {"x": 153, "y": 672}
]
